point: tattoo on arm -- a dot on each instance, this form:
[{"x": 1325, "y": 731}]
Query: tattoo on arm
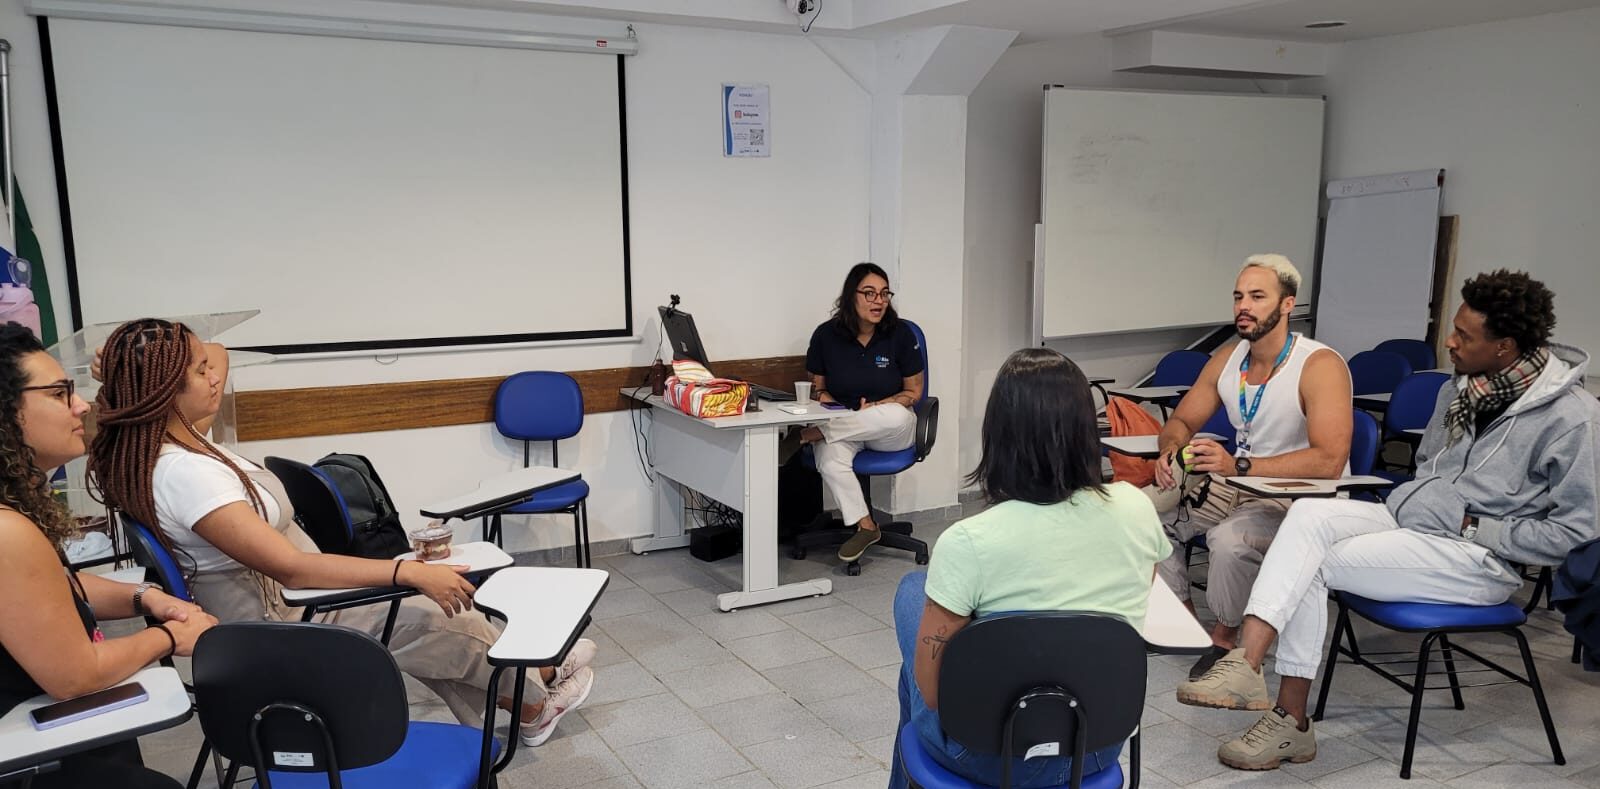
[{"x": 936, "y": 643}]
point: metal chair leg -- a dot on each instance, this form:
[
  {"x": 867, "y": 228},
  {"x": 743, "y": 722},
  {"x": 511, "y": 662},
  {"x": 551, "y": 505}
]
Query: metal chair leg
[
  {"x": 1577, "y": 651},
  {"x": 588, "y": 550},
  {"x": 199, "y": 764},
  {"x": 1417, "y": 689},
  {"x": 577, "y": 538},
  {"x": 1339, "y": 628},
  {"x": 1450, "y": 670},
  {"x": 1538, "y": 696}
]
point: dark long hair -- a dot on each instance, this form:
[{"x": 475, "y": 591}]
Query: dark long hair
[
  {"x": 1040, "y": 441},
  {"x": 143, "y": 370},
  {"x": 844, "y": 308},
  {"x": 23, "y": 486}
]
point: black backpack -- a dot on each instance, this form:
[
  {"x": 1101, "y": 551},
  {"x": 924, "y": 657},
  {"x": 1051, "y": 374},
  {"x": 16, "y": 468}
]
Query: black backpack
[{"x": 378, "y": 533}]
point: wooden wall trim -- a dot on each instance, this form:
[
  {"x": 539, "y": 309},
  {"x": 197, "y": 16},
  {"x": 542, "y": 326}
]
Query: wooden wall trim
[{"x": 338, "y": 410}]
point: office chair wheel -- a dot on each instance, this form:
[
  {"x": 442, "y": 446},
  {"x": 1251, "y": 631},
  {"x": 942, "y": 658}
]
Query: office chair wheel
[
  {"x": 853, "y": 568},
  {"x": 922, "y": 557}
]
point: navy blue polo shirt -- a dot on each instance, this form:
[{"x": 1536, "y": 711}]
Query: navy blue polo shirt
[{"x": 853, "y": 371}]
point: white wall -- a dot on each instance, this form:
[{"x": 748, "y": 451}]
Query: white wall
[
  {"x": 1512, "y": 112},
  {"x": 756, "y": 248},
  {"x": 1004, "y": 131}
]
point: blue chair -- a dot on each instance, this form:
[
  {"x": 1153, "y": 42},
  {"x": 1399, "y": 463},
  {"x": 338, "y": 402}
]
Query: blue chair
[
  {"x": 346, "y": 723},
  {"x": 1377, "y": 372},
  {"x": 1437, "y": 622},
  {"x": 319, "y": 508},
  {"x": 1417, "y": 352},
  {"x": 1410, "y": 408},
  {"x": 1011, "y": 682},
  {"x": 870, "y": 463},
  {"x": 149, "y": 553},
  {"x": 544, "y": 406},
  {"x": 1179, "y": 368}
]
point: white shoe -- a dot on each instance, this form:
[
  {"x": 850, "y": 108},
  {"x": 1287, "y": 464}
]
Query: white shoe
[
  {"x": 564, "y": 698},
  {"x": 580, "y": 655}
]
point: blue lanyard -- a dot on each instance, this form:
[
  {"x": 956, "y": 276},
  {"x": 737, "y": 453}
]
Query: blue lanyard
[{"x": 1249, "y": 416}]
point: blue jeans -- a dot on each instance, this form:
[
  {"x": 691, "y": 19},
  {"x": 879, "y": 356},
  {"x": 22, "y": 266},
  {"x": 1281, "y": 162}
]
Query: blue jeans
[{"x": 981, "y": 768}]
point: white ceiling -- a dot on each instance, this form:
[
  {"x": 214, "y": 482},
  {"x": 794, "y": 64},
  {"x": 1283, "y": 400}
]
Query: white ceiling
[{"x": 1038, "y": 20}]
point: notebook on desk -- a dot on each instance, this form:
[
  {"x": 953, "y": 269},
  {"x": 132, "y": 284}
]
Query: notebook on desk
[{"x": 685, "y": 339}]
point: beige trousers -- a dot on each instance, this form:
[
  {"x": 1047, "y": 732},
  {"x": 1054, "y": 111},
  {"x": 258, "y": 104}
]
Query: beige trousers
[{"x": 1239, "y": 527}]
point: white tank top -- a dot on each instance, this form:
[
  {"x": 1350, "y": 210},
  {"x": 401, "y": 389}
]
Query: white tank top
[{"x": 1279, "y": 426}]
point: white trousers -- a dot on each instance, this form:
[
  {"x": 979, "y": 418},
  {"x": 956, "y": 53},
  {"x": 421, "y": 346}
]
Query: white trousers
[
  {"x": 881, "y": 428},
  {"x": 1356, "y": 546}
]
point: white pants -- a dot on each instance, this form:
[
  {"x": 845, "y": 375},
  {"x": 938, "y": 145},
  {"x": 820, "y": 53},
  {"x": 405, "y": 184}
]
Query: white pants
[
  {"x": 1356, "y": 546},
  {"x": 881, "y": 428}
]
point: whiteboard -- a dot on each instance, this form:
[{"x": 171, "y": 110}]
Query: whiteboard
[
  {"x": 360, "y": 193},
  {"x": 1152, "y": 200},
  {"x": 1377, "y": 260}
]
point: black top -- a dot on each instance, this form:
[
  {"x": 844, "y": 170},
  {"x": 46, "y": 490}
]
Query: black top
[
  {"x": 853, "y": 371},
  {"x": 15, "y": 684},
  {"x": 1486, "y": 418}
]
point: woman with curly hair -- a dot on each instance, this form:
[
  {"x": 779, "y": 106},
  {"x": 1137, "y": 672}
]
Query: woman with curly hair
[
  {"x": 231, "y": 527},
  {"x": 49, "y": 641}
]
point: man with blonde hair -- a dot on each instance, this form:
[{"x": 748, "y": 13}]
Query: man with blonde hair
[{"x": 1288, "y": 399}]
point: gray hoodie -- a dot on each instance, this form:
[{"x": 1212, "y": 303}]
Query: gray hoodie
[{"x": 1532, "y": 478}]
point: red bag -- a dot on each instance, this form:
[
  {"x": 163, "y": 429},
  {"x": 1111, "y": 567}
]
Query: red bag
[{"x": 1128, "y": 419}]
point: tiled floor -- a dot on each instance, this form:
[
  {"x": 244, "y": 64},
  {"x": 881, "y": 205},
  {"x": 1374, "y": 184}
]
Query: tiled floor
[{"x": 802, "y": 694}]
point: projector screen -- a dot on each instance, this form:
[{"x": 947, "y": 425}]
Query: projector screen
[
  {"x": 1152, "y": 201},
  {"x": 362, "y": 194}
]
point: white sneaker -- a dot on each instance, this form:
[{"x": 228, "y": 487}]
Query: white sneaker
[
  {"x": 564, "y": 698},
  {"x": 581, "y": 654}
]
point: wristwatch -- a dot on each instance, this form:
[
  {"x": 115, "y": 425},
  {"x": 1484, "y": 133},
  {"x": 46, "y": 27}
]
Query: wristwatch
[
  {"x": 1470, "y": 530},
  {"x": 138, "y": 597},
  {"x": 1241, "y": 466}
]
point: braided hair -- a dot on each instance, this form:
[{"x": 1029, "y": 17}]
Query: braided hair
[
  {"x": 23, "y": 485},
  {"x": 143, "y": 370}
]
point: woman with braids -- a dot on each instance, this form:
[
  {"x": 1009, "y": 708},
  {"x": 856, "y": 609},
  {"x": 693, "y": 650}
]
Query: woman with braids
[
  {"x": 49, "y": 642},
  {"x": 230, "y": 525}
]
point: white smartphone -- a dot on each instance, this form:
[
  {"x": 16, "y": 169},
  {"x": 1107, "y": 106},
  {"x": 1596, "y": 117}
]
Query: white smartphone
[{"x": 87, "y": 706}]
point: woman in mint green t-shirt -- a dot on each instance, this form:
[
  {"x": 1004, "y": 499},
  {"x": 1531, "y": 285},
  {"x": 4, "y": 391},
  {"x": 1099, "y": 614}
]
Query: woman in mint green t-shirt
[{"x": 1054, "y": 538}]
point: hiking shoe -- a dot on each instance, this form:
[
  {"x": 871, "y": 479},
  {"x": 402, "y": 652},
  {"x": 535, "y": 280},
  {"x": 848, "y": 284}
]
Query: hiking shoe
[
  {"x": 1206, "y": 661},
  {"x": 1230, "y": 685},
  {"x": 566, "y": 697},
  {"x": 858, "y": 544},
  {"x": 1275, "y": 739},
  {"x": 582, "y": 652}
]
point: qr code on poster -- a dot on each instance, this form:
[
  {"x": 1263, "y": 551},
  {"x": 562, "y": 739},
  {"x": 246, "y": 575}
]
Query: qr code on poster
[{"x": 758, "y": 136}]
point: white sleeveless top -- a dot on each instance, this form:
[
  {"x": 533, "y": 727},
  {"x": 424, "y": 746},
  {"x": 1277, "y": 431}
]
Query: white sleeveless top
[{"x": 1279, "y": 426}]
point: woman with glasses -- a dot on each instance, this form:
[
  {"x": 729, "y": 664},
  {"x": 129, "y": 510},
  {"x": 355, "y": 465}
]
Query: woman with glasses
[
  {"x": 865, "y": 359},
  {"x": 230, "y": 525},
  {"x": 49, "y": 639}
]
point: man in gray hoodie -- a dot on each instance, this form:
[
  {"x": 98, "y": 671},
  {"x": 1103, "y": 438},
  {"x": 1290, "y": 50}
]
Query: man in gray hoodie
[{"x": 1508, "y": 471}]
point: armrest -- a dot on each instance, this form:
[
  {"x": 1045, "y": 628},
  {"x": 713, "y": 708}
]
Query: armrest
[{"x": 927, "y": 426}]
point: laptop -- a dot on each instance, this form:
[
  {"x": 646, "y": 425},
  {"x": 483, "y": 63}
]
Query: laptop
[{"x": 685, "y": 340}]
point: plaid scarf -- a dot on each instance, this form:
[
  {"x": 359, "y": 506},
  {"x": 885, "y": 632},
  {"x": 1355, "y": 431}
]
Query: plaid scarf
[{"x": 1492, "y": 391}]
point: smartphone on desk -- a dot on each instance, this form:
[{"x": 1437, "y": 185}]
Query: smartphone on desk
[
  {"x": 87, "y": 706},
  {"x": 834, "y": 406},
  {"x": 1290, "y": 485}
]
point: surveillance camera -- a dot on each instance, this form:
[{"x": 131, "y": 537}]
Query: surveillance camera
[{"x": 801, "y": 7}]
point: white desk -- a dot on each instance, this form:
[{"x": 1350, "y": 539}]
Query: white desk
[
  {"x": 1141, "y": 394},
  {"x": 1142, "y": 446},
  {"x": 733, "y": 460},
  {"x": 1277, "y": 488},
  {"x": 499, "y": 492},
  {"x": 545, "y": 610},
  {"x": 23, "y": 747},
  {"x": 1169, "y": 628},
  {"x": 1377, "y": 401}
]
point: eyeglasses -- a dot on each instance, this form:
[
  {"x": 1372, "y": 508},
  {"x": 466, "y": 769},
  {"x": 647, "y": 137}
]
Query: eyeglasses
[
  {"x": 60, "y": 390},
  {"x": 875, "y": 295}
]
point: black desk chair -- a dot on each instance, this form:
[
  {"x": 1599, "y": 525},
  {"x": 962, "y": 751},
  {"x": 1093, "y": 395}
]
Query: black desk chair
[
  {"x": 346, "y": 723},
  {"x": 318, "y": 507},
  {"x": 1015, "y": 682}
]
